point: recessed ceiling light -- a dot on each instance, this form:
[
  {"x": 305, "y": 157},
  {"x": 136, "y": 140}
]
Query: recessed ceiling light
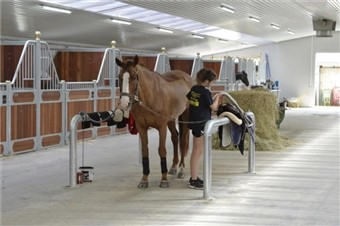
[
  {"x": 197, "y": 36},
  {"x": 290, "y": 32},
  {"x": 229, "y": 9},
  {"x": 222, "y": 40},
  {"x": 165, "y": 30},
  {"x": 120, "y": 21},
  {"x": 275, "y": 26},
  {"x": 54, "y": 9},
  {"x": 254, "y": 19}
]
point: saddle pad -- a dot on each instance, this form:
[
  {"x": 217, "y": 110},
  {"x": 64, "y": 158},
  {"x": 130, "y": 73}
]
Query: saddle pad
[{"x": 226, "y": 138}]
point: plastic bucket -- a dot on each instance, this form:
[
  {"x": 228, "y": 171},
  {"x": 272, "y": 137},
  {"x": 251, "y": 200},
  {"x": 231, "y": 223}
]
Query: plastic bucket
[{"x": 87, "y": 173}]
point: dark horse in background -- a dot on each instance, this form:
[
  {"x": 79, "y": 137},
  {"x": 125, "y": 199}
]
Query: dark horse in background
[
  {"x": 243, "y": 76},
  {"x": 157, "y": 101}
]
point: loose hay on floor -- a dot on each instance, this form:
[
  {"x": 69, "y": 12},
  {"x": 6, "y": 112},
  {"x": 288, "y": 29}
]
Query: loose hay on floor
[{"x": 264, "y": 106}]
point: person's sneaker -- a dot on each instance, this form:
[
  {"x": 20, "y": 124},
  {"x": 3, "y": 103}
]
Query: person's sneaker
[
  {"x": 196, "y": 184},
  {"x": 199, "y": 179}
]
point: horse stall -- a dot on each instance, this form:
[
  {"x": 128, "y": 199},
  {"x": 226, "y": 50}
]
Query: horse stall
[{"x": 42, "y": 90}]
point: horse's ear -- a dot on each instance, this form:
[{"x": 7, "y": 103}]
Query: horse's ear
[
  {"x": 135, "y": 60},
  {"x": 118, "y": 62}
]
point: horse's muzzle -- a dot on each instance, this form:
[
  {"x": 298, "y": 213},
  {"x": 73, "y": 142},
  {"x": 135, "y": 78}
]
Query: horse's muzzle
[{"x": 125, "y": 101}]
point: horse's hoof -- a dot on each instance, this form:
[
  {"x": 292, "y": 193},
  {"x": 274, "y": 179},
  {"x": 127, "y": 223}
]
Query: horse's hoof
[
  {"x": 173, "y": 171},
  {"x": 181, "y": 175},
  {"x": 164, "y": 184},
  {"x": 143, "y": 184}
]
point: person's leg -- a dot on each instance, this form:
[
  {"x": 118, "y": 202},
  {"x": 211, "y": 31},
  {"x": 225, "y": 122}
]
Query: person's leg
[{"x": 195, "y": 156}]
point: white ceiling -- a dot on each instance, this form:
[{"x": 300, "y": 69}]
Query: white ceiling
[{"x": 21, "y": 18}]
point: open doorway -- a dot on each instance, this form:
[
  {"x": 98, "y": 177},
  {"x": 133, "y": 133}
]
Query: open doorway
[{"x": 327, "y": 79}]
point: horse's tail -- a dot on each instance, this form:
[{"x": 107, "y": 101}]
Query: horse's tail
[{"x": 183, "y": 133}]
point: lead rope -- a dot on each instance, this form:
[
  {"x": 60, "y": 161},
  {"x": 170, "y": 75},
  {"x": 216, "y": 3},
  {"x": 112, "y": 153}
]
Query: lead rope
[{"x": 166, "y": 118}]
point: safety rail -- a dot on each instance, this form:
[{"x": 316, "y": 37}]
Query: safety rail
[
  {"x": 207, "y": 153},
  {"x": 73, "y": 148}
]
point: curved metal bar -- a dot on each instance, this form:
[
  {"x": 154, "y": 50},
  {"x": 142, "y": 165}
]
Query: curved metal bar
[
  {"x": 73, "y": 149},
  {"x": 207, "y": 153}
]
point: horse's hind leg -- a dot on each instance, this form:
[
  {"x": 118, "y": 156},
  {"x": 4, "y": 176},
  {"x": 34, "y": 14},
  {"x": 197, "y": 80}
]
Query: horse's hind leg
[{"x": 174, "y": 139}]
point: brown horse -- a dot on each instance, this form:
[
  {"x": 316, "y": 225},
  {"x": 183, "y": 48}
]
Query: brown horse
[{"x": 157, "y": 101}]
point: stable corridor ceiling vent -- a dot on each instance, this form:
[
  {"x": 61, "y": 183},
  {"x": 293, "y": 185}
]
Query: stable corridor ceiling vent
[{"x": 324, "y": 27}]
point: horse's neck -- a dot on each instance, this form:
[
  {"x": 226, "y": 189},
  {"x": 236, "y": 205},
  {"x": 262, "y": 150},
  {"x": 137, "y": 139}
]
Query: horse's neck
[{"x": 148, "y": 80}]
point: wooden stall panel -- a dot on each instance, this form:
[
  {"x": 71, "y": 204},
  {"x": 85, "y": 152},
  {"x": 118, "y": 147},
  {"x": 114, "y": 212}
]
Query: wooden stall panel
[
  {"x": 73, "y": 108},
  {"x": 9, "y": 58},
  {"x": 23, "y": 120},
  {"x": 104, "y": 93},
  {"x": 1, "y": 149},
  {"x": 50, "y": 141},
  {"x": 104, "y": 105},
  {"x": 84, "y": 134},
  {"x": 51, "y": 118},
  {"x": 183, "y": 65},
  {"x": 19, "y": 146},
  {"x": 23, "y": 97},
  {"x": 217, "y": 88},
  {"x": 103, "y": 131},
  {"x": 2, "y": 123},
  {"x": 79, "y": 94},
  {"x": 51, "y": 96},
  {"x": 78, "y": 66}
]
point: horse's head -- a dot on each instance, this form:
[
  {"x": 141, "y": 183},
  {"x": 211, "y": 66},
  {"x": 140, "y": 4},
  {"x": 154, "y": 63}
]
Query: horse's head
[
  {"x": 243, "y": 76},
  {"x": 128, "y": 81}
]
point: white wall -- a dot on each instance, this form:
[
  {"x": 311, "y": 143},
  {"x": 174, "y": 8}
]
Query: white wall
[{"x": 293, "y": 64}]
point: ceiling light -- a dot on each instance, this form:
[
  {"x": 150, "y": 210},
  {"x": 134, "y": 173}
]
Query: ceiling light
[
  {"x": 229, "y": 9},
  {"x": 290, "y": 32},
  {"x": 254, "y": 19},
  {"x": 59, "y": 10},
  {"x": 120, "y": 22},
  {"x": 197, "y": 36},
  {"x": 165, "y": 30},
  {"x": 222, "y": 40},
  {"x": 275, "y": 26}
]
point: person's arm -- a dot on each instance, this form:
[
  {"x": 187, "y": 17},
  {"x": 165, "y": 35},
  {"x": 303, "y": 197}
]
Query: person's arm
[{"x": 216, "y": 102}]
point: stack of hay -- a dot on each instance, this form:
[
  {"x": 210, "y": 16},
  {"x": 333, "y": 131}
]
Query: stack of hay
[{"x": 264, "y": 106}]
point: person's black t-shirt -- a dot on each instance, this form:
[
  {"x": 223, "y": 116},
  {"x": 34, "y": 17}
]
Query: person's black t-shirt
[{"x": 199, "y": 109}]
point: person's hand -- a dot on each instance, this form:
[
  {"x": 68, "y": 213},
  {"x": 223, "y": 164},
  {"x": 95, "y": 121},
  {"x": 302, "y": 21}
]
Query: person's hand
[{"x": 218, "y": 95}]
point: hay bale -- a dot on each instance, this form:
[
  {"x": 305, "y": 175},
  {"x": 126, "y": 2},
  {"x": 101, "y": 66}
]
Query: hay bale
[{"x": 264, "y": 106}]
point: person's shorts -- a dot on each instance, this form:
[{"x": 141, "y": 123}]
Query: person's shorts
[{"x": 197, "y": 130}]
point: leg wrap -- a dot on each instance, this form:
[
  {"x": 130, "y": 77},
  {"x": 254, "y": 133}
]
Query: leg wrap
[
  {"x": 146, "y": 167},
  {"x": 163, "y": 165}
]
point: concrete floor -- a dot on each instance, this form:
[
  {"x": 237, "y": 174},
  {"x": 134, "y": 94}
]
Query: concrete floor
[{"x": 295, "y": 186}]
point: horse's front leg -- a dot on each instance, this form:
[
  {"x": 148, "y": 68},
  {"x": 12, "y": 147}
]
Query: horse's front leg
[
  {"x": 162, "y": 154},
  {"x": 144, "y": 183},
  {"x": 174, "y": 139}
]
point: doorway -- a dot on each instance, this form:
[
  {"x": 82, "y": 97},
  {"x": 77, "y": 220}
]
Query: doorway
[{"x": 327, "y": 79}]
